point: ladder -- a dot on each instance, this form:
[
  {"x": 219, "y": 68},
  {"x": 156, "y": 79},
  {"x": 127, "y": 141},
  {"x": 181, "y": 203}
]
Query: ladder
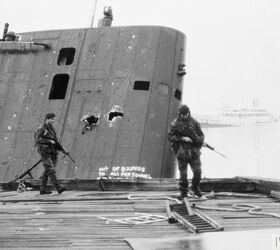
[{"x": 195, "y": 221}]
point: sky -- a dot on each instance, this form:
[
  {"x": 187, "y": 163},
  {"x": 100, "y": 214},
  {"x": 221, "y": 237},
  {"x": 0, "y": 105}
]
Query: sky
[{"x": 233, "y": 46}]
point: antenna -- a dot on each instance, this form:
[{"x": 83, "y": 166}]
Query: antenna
[{"x": 93, "y": 14}]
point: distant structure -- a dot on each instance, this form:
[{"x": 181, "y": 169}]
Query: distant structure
[
  {"x": 228, "y": 116},
  {"x": 256, "y": 103}
]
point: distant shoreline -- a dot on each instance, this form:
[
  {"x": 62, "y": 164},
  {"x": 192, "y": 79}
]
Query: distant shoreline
[{"x": 213, "y": 125}]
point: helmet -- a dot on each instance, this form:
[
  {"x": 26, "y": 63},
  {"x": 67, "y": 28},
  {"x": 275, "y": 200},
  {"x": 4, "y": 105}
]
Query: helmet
[
  {"x": 49, "y": 116},
  {"x": 184, "y": 110}
]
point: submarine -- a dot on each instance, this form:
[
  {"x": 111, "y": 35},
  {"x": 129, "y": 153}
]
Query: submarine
[{"x": 114, "y": 91}]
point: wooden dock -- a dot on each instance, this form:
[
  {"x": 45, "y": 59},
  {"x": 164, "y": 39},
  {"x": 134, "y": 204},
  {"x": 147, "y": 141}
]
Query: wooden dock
[{"x": 94, "y": 219}]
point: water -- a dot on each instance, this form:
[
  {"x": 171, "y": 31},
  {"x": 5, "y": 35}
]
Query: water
[{"x": 251, "y": 150}]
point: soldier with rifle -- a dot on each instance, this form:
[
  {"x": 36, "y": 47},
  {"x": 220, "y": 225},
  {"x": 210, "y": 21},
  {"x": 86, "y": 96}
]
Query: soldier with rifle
[
  {"x": 187, "y": 138},
  {"x": 48, "y": 147}
]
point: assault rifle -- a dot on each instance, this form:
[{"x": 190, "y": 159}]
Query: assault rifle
[
  {"x": 60, "y": 147},
  {"x": 213, "y": 149},
  {"x": 193, "y": 136},
  {"x": 28, "y": 171}
]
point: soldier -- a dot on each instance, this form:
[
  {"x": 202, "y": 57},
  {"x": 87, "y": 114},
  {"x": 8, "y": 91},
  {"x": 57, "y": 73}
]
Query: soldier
[
  {"x": 187, "y": 138},
  {"x": 46, "y": 141}
]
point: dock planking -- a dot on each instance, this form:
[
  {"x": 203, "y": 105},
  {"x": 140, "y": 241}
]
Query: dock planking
[{"x": 75, "y": 218}]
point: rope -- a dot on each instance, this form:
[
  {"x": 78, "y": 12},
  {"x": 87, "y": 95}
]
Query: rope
[
  {"x": 209, "y": 195},
  {"x": 152, "y": 197},
  {"x": 251, "y": 209},
  {"x": 22, "y": 187}
]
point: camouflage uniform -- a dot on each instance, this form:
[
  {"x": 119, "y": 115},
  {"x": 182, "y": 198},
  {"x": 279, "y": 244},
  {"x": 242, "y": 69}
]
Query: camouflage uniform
[
  {"x": 187, "y": 152},
  {"x": 48, "y": 154}
]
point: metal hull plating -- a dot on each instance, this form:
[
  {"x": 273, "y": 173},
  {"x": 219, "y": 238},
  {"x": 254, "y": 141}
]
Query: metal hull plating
[{"x": 124, "y": 77}]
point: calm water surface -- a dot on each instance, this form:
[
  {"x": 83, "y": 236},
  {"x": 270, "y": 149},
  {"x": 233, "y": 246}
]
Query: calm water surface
[{"x": 251, "y": 150}]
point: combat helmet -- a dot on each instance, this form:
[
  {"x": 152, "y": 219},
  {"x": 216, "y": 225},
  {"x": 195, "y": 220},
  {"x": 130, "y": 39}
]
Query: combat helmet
[{"x": 184, "y": 110}]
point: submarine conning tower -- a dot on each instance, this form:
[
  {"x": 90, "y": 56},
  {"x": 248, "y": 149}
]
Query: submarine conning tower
[{"x": 114, "y": 90}]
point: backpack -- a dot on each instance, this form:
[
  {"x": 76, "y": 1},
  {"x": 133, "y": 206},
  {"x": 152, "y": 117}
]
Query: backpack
[{"x": 35, "y": 136}]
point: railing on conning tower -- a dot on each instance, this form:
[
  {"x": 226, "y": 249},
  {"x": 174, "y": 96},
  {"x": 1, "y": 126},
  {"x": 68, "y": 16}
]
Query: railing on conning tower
[{"x": 11, "y": 42}]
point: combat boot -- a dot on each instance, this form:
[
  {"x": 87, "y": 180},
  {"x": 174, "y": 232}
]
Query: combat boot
[
  {"x": 182, "y": 196},
  {"x": 61, "y": 189},
  {"x": 44, "y": 191},
  {"x": 56, "y": 184},
  {"x": 197, "y": 191}
]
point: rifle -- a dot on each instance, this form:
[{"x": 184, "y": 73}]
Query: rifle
[
  {"x": 28, "y": 171},
  {"x": 60, "y": 147},
  {"x": 213, "y": 149},
  {"x": 193, "y": 136}
]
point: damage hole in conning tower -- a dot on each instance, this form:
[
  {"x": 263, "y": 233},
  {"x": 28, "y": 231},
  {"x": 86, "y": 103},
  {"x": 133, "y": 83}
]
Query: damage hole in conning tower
[
  {"x": 89, "y": 121},
  {"x": 66, "y": 56},
  {"x": 141, "y": 85},
  {"x": 114, "y": 114},
  {"x": 59, "y": 86},
  {"x": 92, "y": 120}
]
